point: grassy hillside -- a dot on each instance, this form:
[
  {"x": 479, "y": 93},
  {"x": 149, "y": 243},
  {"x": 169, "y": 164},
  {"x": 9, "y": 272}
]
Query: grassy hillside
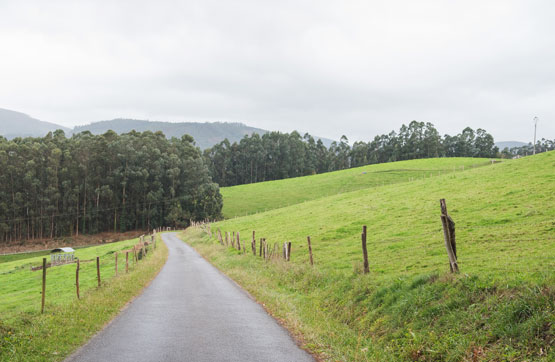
[
  {"x": 67, "y": 323},
  {"x": 249, "y": 199},
  {"x": 500, "y": 307}
]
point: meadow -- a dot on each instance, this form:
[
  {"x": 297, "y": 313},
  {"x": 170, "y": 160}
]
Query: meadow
[
  {"x": 259, "y": 197},
  {"x": 409, "y": 307},
  {"x": 67, "y": 322}
]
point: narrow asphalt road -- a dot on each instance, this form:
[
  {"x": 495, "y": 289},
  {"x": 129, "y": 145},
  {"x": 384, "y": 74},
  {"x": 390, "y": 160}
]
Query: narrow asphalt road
[{"x": 191, "y": 312}]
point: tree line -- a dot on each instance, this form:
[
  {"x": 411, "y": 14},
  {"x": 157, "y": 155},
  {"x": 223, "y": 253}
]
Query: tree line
[
  {"x": 542, "y": 145},
  {"x": 276, "y": 155},
  {"x": 56, "y": 186}
]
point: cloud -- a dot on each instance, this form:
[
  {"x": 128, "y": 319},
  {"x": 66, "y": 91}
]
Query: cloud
[{"x": 327, "y": 67}]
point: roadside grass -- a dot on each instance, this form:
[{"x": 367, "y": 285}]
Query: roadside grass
[
  {"x": 500, "y": 307},
  {"x": 249, "y": 199},
  {"x": 67, "y": 323}
]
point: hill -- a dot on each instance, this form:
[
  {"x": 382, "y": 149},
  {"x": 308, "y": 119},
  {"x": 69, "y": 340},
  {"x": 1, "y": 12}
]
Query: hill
[
  {"x": 509, "y": 144},
  {"x": 15, "y": 124},
  {"x": 253, "y": 198},
  {"x": 409, "y": 307},
  {"x": 205, "y": 134}
]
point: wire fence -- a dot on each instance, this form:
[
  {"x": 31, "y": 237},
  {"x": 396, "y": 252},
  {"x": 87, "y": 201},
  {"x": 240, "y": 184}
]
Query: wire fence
[
  {"x": 65, "y": 282},
  {"x": 498, "y": 251}
]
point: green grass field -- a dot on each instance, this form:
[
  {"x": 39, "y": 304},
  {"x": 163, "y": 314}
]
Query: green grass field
[
  {"x": 500, "y": 307},
  {"x": 26, "y": 334},
  {"x": 253, "y": 198}
]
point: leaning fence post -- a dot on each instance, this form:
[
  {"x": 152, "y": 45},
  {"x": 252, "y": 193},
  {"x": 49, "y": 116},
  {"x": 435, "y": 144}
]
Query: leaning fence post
[
  {"x": 365, "y": 251},
  {"x": 77, "y": 278},
  {"x": 43, "y": 284},
  {"x": 449, "y": 237},
  {"x": 310, "y": 250},
  {"x": 98, "y": 269}
]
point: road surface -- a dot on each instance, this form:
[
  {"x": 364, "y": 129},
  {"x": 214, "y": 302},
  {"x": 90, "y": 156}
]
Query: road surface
[{"x": 192, "y": 312}]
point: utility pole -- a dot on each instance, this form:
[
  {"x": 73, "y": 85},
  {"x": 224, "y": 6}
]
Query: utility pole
[{"x": 535, "y": 127}]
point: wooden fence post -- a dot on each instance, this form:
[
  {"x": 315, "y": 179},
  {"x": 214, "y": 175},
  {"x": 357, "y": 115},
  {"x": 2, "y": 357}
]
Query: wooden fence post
[
  {"x": 253, "y": 243},
  {"x": 260, "y": 252},
  {"x": 285, "y": 251},
  {"x": 116, "y": 263},
  {"x": 126, "y": 262},
  {"x": 310, "y": 250},
  {"x": 264, "y": 248},
  {"x": 77, "y": 278},
  {"x": 43, "y": 284},
  {"x": 449, "y": 237},
  {"x": 98, "y": 269},
  {"x": 288, "y": 251},
  {"x": 365, "y": 251},
  {"x": 238, "y": 242}
]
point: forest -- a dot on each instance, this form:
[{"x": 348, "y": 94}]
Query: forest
[
  {"x": 56, "y": 186},
  {"x": 275, "y": 155}
]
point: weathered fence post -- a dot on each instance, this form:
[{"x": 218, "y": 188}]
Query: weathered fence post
[
  {"x": 264, "y": 248},
  {"x": 365, "y": 251},
  {"x": 285, "y": 250},
  {"x": 288, "y": 251},
  {"x": 310, "y": 250},
  {"x": 43, "y": 284},
  {"x": 98, "y": 269},
  {"x": 449, "y": 237},
  {"x": 126, "y": 262},
  {"x": 253, "y": 243},
  {"x": 260, "y": 252},
  {"x": 238, "y": 242},
  {"x": 77, "y": 278}
]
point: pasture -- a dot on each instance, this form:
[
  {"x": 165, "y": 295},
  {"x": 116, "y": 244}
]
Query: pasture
[{"x": 409, "y": 307}]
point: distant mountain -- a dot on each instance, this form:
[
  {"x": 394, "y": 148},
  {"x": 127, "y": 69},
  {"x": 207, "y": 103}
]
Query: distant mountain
[
  {"x": 509, "y": 144},
  {"x": 205, "y": 134},
  {"x": 15, "y": 124}
]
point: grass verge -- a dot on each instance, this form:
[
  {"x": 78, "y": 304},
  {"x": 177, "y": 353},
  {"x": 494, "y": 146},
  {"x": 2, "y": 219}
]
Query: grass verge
[{"x": 27, "y": 335}]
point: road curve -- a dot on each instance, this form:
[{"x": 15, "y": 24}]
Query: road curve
[{"x": 191, "y": 312}]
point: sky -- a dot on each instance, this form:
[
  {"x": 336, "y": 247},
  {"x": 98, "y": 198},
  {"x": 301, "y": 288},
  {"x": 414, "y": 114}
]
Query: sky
[{"x": 330, "y": 68}]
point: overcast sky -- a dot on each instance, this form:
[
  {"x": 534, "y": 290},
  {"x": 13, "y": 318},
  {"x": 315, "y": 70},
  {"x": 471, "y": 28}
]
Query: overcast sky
[{"x": 357, "y": 68}]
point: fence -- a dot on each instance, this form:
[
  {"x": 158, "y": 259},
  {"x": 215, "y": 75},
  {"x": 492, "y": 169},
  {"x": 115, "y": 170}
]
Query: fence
[
  {"x": 272, "y": 251},
  {"x": 53, "y": 283}
]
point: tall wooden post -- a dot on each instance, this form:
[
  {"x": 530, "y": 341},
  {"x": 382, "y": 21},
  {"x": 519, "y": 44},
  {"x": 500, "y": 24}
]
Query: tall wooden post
[
  {"x": 253, "y": 243},
  {"x": 310, "y": 250},
  {"x": 77, "y": 278},
  {"x": 365, "y": 251},
  {"x": 449, "y": 237},
  {"x": 288, "y": 251},
  {"x": 126, "y": 262},
  {"x": 238, "y": 242},
  {"x": 260, "y": 252},
  {"x": 98, "y": 269},
  {"x": 43, "y": 284}
]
